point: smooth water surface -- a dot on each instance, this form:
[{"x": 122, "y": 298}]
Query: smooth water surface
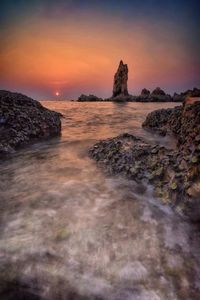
[{"x": 68, "y": 231}]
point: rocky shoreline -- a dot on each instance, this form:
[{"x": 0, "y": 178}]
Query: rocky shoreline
[
  {"x": 157, "y": 95},
  {"x": 121, "y": 94},
  {"x": 23, "y": 121},
  {"x": 174, "y": 174}
]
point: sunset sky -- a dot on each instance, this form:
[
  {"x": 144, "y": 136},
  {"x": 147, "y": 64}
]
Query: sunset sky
[{"x": 72, "y": 47}]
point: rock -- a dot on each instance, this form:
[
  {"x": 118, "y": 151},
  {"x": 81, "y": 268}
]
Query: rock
[
  {"x": 145, "y": 92},
  {"x": 120, "y": 81},
  {"x": 158, "y": 92},
  {"x": 159, "y": 120},
  {"x": 90, "y": 98},
  {"x": 24, "y": 120},
  {"x": 120, "y": 91},
  {"x": 187, "y": 95},
  {"x": 178, "y": 98},
  {"x": 158, "y": 95},
  {"x": 192, "y": 93},
  {"x": 182, "y": 121}
]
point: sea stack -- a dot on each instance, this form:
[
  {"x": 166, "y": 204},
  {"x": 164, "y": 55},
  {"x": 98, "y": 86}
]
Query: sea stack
[{"x": 120, "y": 80}]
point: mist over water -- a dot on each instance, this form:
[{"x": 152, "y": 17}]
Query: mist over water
[{"x": 69, "y": 231}]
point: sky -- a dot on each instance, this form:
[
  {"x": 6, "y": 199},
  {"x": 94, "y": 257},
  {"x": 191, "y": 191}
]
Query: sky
[{"x": 70, "y": 47}]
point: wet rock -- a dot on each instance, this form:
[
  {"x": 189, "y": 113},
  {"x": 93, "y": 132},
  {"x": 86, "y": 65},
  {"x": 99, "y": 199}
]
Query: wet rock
[
  {"x": 120, "y": 81},
  {"x": 24, "y": 120},
  {"x": 182, "y": 121}
]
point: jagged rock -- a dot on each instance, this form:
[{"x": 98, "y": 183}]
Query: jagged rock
[
  {"x": 145, "y": 92},
  {"x": 120, "y": 81},
  {"x": 85, "y": 98},
  {"x": 181, "y": 121},
  {"x": 157, "y": 95},
  {"x": 159, "y": 120},
  {"x": 23, "y": 120},
  {"x": 158, "y": 92}
]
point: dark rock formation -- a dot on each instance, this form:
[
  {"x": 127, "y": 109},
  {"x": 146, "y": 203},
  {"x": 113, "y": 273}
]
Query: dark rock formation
[
  {"x": 145, "y": 92},
  {"x": 175, "y": 174},
  {"x": 120, "y": 91},
  {"x": 182, "y": 121},
  {"x": 158, "y": 92},
  {"x": 187, "y": 94},
  {"x": 192, "y": 93},
  {"x": 120, "y": 81},
  {"x": 23, "y": 120},
  {"x": 178, "y": 98},
  {"x": 90, "y": 98},
  {"x": 163, "y": 121},
  {"x": 158, "y": 95}
]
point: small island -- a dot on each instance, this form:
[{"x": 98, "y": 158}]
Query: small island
[{"x": 121, "y": 94}]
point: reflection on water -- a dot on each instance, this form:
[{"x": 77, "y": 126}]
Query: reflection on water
[{"x": 70, "y": 232}]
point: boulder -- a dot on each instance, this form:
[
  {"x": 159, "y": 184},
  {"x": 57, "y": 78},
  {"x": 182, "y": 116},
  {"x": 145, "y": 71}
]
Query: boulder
[
  {"x": 120, "y": 81},
  {"x": 24, "y": 120}
]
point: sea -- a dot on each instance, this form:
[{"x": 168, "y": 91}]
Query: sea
[{"x": 70, "y": 231}]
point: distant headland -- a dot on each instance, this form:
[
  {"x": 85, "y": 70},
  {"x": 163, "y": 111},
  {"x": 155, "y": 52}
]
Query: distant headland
[{"x": 121, "y": 94}]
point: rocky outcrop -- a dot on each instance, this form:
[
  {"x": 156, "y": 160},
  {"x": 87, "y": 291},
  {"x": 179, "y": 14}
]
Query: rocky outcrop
[
  {"x": 90, "y": 98},
  {"x": 120, "y": 81},
  {"x": 163, "y": 121},
  {"x": 24, "y": 120},
  {"x": 120, "y": 91},
  {"x": 158, "y": 92},
  {"x": 191, "y": 93},
  {"x": 182, "y": 121},
  {"x": 187, "y": 94},
  {"x": 175, "y": 174},
  {"x": 158, "y": 95},
  {"x": 145, "y": 92}
]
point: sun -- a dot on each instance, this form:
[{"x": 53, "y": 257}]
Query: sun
[{"x": 57, "y": 94}]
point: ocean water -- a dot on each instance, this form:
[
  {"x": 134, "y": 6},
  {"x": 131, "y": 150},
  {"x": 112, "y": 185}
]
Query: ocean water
[{"x": 69, "y": 231}]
